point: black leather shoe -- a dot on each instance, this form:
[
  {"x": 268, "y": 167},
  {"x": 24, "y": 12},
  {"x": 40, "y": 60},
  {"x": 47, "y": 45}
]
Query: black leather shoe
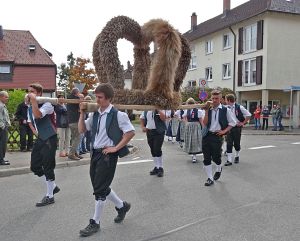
[
  {"x": 217, "y": 175},
  {"x": 154, "y": 171},
  {"x": 4, "y": 163},
  {"x": 209, "y": 182},
  {"x": 122, "y": 212},
  {"x": 92, "y": 228},
  {"x": 236, "y": 159},
  {"x": 45, "y": 201},
  {"x": 227, "y": 163},
  {"x": 160, "y": 172},
  {"x": 56, "y": 190}
]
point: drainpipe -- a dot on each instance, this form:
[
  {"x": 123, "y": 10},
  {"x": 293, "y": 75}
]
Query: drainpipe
[{"x": 234, "y": 57}]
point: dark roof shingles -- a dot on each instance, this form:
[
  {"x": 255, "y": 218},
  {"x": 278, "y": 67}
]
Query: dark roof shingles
[
  {"x": 14, "y": 47},
  {"x": 245, "y": 11}
]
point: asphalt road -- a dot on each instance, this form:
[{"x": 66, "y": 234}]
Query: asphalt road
[{"x": 256, "y": 200}]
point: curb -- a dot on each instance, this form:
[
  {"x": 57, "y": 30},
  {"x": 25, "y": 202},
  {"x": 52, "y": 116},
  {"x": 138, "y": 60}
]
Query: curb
[{"x": 25, "y": 170}]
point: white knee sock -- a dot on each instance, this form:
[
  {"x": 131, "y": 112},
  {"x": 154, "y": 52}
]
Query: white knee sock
[
  {"x": 99, "y": 205},
  {"x": 155, "y": 162},
  {"x": 208, "y": 170},
  {"x": 112, "y": 196},
  {"x": 219, "y": 168},
  {"x": 50, "y": 187},
  {"x": 229, "y": 157},
  {"x": 159, "y": 161},
  {"x": 237, "y": 153}
]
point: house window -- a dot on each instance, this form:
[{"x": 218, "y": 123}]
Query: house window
[
  {"x": 209, "y": 47},
  {"x": 208, "y": 74},
  {"x": 250, "y": 71},
  {"x": 226, "y": 41},
  {"x": 226, "y": 71},
  {"x": 250, "y": 35},
  {"x": 193, "y": 63},
  {"x": 5, "y": 69},
  {"x": 192, "y": 83}
]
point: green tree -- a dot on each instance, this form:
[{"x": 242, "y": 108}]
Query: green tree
[{"x": 15, "y": 98}]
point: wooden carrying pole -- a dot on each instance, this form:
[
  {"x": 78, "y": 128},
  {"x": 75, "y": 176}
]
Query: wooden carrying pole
[{"x": 92, "y": 106}]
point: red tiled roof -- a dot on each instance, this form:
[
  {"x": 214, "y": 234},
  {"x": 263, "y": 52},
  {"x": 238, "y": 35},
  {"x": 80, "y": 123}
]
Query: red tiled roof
[
  {"x": 241, "y": 13},
  {"x": 15, "y": 47}
]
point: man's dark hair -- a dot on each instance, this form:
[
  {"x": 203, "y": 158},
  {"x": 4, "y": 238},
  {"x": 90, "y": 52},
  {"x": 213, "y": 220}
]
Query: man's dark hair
[
  {"x": 230, "y": 97},
  {"x": 38, "y": 87},
  {"x": 74, "y": 91},
  {"x": 106, "y": 89}
]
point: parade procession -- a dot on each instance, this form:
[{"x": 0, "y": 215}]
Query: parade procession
[{"x": 161, "y": 150}]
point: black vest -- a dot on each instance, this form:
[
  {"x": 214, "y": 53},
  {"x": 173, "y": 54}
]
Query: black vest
[
  {"x": 112, "y": 129},
  {"x": 192, "y": 115},
  {"x": 159, "y": 124},
  {"x": 238, "y": 113},
  {"x": 45, "y": 126},
  {"x": 222, "y": 118}
]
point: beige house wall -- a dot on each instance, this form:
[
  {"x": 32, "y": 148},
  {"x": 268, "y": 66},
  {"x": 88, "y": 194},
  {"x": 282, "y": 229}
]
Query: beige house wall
[{"x": 283, "y": 59}]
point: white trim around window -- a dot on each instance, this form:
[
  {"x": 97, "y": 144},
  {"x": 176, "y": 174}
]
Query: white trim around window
[
  {"x": 249, "y": 72},
  {"x": 208, "y": 74},
  {"x": 209, "y": 47},
  {"x": 250, "y": 37},
  {"x": 192, "y": 83},
  {"x": 226, "y": 71},
  {"x": 193, "y": 62},
  {"x": 226, "y": 41},
  {"x": 5, "y": 69}
]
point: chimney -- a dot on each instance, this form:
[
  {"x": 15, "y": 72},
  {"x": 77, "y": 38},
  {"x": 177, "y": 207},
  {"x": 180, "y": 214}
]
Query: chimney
[
  {"x": 193, "y": 21},
  {"x": 1, "y": 32},
  {"x": 226, "y": 6}
]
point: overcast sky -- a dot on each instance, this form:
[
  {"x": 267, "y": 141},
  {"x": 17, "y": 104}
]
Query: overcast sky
[{"x": 62, "y": 26}]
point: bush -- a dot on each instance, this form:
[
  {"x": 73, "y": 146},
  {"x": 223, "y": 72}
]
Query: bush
[{"x": 15, "y": 98}]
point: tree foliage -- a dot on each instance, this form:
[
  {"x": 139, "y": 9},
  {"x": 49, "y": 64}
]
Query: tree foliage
[{"x": 74, "y": 71}]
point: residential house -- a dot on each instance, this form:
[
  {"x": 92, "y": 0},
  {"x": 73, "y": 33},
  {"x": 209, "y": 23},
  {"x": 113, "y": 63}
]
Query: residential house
[
  {"x": 252, "y": 49},
  {"x": 24, "y": 61}
]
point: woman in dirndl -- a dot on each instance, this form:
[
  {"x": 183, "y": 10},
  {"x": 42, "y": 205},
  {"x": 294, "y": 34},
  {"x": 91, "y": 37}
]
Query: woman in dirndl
[
  {"x": 193, "y": 136},
  {"x": 172, "y": 125},
  {"x": 180, "y": 131}
]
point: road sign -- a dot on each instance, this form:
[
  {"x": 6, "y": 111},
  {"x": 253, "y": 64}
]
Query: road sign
[
  {"x": 203, "y": 95},
  {"x": 202, "y": 83}
]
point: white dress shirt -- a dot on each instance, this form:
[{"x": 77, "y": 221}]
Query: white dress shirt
[
  {"x": 245, "y": 112},
  {"x": 101, "y": 139},
  {"x": 150, "y": 118},
  {"x": 214, "y": 124}
]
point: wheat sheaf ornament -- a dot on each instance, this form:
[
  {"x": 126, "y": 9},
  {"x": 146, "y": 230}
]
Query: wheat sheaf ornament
[{"x": 157, "y": 79}]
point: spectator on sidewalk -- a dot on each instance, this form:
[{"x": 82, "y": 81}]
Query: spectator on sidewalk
[
  {"x": 273, "y": 113},
  {"x": 4, "y": 124},
  {"x": 42, "y": 164},
  {"x": 24, "y": 129},
  {"x": 279, "y": 116},
  {"x": 63, "y": 128},
  {"x": 73, "y": 117},
  {"x": 257, "y": 114},
  {"x": 265, "y": 115}
]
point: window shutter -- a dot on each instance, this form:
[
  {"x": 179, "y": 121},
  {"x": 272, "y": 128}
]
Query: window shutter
[
  {"x": 259, "y": 70},
  {"x": 240, "y": 47},
  {"x": 240, "y": 73},
  {"x": 260, "y": 34}
]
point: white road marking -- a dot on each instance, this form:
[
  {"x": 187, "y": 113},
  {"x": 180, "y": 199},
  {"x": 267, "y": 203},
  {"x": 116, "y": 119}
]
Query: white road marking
[
  {"x": 139, "y": 139},
  {"x": 260, "y": 147},
  {"x": 296, "y": 143},
  {"x": 134, "y": 162}
]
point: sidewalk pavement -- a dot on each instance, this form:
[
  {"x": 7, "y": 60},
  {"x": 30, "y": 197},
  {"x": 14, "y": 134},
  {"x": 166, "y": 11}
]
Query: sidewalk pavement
[{"x": 20, "y": 161}]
